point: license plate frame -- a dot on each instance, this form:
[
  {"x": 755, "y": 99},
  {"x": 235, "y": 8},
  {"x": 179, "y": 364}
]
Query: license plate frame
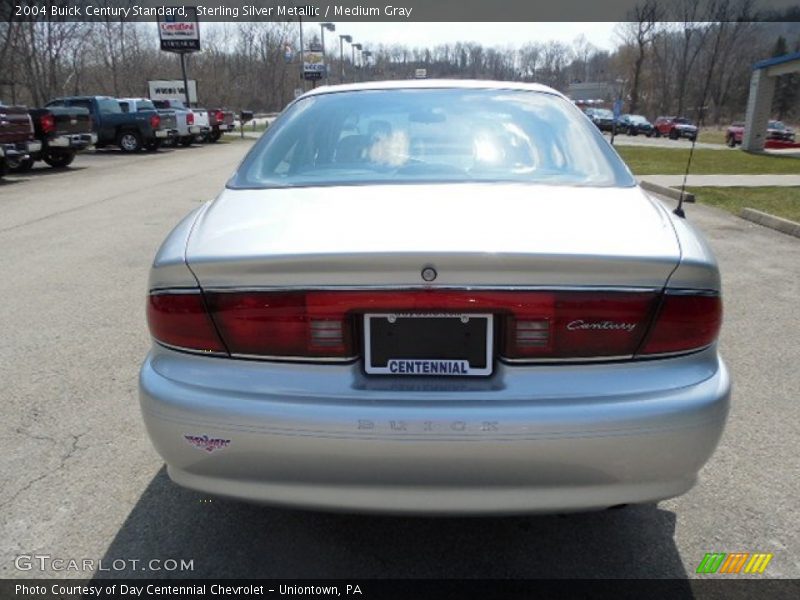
[{"x": 423, "y": 365}]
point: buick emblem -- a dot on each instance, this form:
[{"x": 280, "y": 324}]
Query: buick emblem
[{"x": 428, "y": 273}]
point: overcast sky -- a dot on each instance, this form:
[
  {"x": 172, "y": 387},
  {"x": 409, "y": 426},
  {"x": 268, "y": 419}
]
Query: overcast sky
[{"x": 488, "y": 34}]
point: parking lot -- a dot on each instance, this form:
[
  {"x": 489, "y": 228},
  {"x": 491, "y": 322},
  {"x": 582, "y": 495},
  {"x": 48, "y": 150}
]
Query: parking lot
[{"x": 81, "y": 480}]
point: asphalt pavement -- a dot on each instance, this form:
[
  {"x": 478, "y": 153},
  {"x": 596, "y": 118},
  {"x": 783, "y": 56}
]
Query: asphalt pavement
[{"x": 80, "y": 480}]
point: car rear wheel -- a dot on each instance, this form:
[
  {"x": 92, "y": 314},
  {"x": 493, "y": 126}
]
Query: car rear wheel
[
  {"x": 129, "y": 141},
  {"x": 58, "y": 159},
  {"x": 19, "y": 165},
  {"x": 214, "y": 136},
  {"x": 730, "y": 141},
  {"x": 673, "y": 134}
]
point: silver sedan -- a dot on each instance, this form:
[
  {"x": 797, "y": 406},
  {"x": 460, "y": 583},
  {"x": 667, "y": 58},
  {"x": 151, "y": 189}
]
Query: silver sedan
[{"x": 436, "y": 297}]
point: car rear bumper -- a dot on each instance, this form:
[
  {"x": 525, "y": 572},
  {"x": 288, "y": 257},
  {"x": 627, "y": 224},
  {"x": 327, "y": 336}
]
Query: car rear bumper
[
  {"x": 21, "y": 149},
  {"x": 527, "y": 439},
  {"x": 76, "y": 141}
]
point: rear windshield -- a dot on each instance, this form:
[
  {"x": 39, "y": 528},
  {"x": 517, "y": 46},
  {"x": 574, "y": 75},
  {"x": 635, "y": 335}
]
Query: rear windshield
[
  {"x": 604, "y": 113},
  {"x": 431, "y": 135}
]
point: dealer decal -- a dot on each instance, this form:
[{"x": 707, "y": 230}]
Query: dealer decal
[{"x": 203, "y": 442}]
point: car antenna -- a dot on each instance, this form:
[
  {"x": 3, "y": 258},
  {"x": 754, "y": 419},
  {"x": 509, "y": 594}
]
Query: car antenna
[{"x": 679, "y": 209}]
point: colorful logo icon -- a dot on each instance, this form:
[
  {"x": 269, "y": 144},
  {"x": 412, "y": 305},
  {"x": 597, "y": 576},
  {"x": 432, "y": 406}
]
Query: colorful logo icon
[{"x": 734, "y": 563}]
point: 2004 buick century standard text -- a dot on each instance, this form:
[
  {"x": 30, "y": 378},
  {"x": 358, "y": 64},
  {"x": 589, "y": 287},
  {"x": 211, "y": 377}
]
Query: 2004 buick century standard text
[{"x": 436, "y": 297}]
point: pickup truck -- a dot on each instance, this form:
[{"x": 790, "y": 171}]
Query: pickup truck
[
  {"x": 220, "y": 121},
  {"x": 16, "y": 136},
  {"x": 129, "y": 131},
  {"x": 187, "y": 130},
  {"x": 675, "y": 127},
  {"x": 202, "y": 119},
  {"x": 62, "y": 131},
  {"x": 167, "y": 131}
]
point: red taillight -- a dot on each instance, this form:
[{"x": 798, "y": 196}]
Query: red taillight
[
  {"x": 155, "y": 121},
  {"x": 189, "y": 118},
  {"x": 220, "y": 116},
  {"x": 285, "y": 324},
  {"x": 578, "y": 325},
  {"x": 181, "y": 320},
  {"x": 684, "y": 322},
  {"x": 48, "y": 123},
  {"x": 532, "y": 325}
]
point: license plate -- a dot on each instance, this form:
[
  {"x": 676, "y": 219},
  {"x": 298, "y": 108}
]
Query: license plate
[{"x": 428, "y": 344}]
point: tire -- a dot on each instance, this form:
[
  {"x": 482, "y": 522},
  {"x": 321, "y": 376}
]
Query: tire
[
  {"x": 152, "y": 145},
  {"x": 730, "y": 141},
  {"x": 19, "y": 165},
  {"x": 129, "y": 141},
  {"x": 649, "y": 134},
  {"x": 58, "y": 159},
  {"x": 633, "y": 131},
  {"x": 693, "y": 138},
  {"x": 673, "y": 134},
  {"x": 186, "y": 141},
  {"x": 2, "y": 167},
  {"x": 214, "y": 136}
]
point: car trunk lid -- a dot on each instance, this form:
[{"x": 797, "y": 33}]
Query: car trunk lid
[{"x": 471, "y": 234}]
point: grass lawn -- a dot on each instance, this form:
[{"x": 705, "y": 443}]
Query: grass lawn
[
  {"x": 672, "y": 161},
  {"x": 779, "y": 201},
  {"x": 712, "y": 135}
]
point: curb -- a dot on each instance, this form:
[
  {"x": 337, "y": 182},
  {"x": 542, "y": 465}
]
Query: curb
[
  {"x": 779, "y": 224},
  {"x": 665, "y": 191}
]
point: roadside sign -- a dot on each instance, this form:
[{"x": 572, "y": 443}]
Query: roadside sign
[
  {"x": 172, "y": 89},
  {"x": 420, "y": 73},
  {"x": 180, "y": 34},
  {"x": 313, "y": 64}
]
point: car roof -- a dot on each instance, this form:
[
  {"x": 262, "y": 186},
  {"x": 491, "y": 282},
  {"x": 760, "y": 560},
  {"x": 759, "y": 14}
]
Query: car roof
[{"x": 427, "y": 84}]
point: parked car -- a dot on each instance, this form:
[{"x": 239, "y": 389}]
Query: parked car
[
  {"x": 167, "y": 131},
  {"x": 220, "y": 121},
  {"x": 634, "y": 125},
  {"x": 62, "y": 132},
  {"x": 187, "y": 130},
  {"x": 203, "y": 120},
  {"x": 675, "y": 127},
  {"x": 776, "y": 130},
  {"x": 603, "y": 118},
  {"x": 129, "y": 131},
  {"x": 734, "y": 134},
  {"x": 546, "y": 340},
  {"x": 17, "y": 140}
]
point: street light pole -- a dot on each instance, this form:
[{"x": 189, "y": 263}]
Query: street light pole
[
  {"x": 342, "y": 40},
  {"x": 322, "y": 28},
  {"x": 302, "y": 56},
  {"x": 366, "y": 54},
  {"x": 355, "y": 47}
]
